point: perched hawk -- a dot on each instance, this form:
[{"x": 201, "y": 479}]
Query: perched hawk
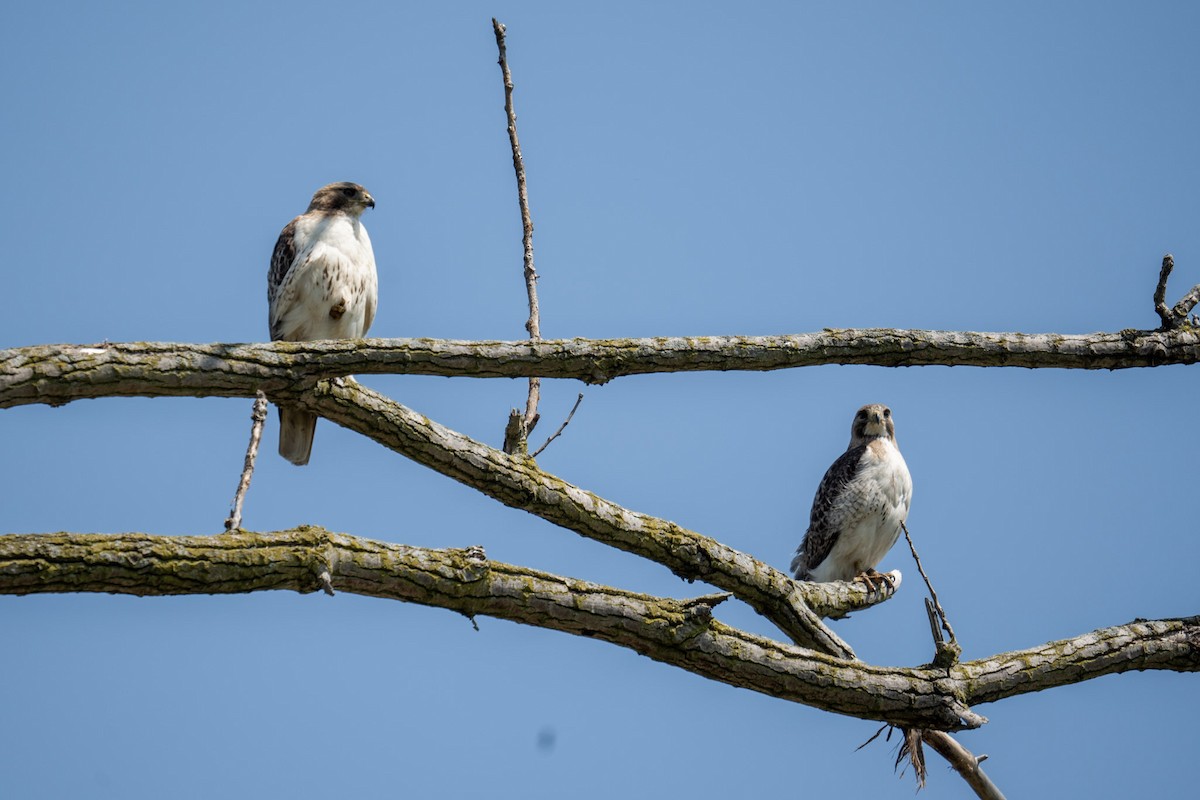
[
  {"x": 860, "y": 505},
  {"x": 321, "y": 285}
]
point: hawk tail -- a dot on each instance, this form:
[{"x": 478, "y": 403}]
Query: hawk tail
[{"x": 296, "y": 429}]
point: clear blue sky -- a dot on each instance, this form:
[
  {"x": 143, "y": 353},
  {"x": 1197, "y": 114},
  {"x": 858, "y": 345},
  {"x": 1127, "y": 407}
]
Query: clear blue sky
[{"x": 693, "y": 169}]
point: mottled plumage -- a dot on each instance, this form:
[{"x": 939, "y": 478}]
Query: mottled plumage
[
  {"x": 321, "y": 285},
  {"x": 860, "y": 505}
]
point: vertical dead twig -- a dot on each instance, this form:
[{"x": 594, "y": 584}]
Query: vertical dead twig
[
  {"x": 518, "y": 429},
  {"x": 948, "y": 652},
  {"x": 1160, "y": 292},
  {"x": 258, "y": 417}
]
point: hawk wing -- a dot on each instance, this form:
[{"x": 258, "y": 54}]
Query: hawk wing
[
  {"x": 281, "y": 263},
  {"x": 369, "y": 313},
  {"x": 824, "y": 524}
]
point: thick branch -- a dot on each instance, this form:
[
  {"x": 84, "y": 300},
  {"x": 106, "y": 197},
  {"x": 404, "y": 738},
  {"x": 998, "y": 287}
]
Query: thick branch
[
  {"x": 839, "y": 598},
  {"x": 681, "y": 633},
  {"x": 57, "y": 374},
  {"x": 1170, "y": 644}
]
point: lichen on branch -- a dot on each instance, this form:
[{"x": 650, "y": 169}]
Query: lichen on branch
[
  {"x": 59, "y": 373},
  {"x": 682, "y": 633}
]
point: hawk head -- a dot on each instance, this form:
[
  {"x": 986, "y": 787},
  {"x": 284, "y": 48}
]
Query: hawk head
[
  {"x": 872, "y": 422},
  {"x": 342, "y": 196}
]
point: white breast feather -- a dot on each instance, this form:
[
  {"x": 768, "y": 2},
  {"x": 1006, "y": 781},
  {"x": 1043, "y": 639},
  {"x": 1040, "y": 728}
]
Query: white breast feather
[{"x": 334, "y": 263}]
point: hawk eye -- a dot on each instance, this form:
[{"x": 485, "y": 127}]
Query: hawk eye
[
  {"x": 887, "y": 412},
  {"x": 349, "y": 191}
]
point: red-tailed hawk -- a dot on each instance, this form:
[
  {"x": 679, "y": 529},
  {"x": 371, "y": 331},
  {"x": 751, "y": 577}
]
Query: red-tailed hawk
[
  {"x": 860, "y": 505},
  {"x": 321, "y": 285}
]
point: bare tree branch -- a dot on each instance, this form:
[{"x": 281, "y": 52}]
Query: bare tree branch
[
  {"x": 257, "y": 416},
  {"x": 525, "y": 426},
  {"x": 1171, "y": 644},
  {"x": 533, "y": 325},
  {"x": 681, "y": 633},
  {"x": 1174, "y": 317},
  {"x": 59, "y": 373},
  {"x": 837, "y": 599},
  {"x": 561, "y": 428}
]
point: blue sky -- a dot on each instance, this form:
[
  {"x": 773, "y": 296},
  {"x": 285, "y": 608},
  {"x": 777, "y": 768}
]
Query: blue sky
[{"x": 693, "y": 169}]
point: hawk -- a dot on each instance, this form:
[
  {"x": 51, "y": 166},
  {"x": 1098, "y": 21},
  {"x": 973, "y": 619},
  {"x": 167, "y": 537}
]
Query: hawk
[
  {"x": 861, "y": 503},
  {"x": 321, "y": 285}
]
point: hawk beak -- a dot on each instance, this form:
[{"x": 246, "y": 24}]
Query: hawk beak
[{"x": 369, "y": 201}]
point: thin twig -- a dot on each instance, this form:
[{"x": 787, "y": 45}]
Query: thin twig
[
  {"x": 259, "y": 416},
  {"x": 875, "y": 735},
  {"x": 533, "y": 325},
  {"x": 941, "y": 611},
  {"x": 561, "y": 428}
]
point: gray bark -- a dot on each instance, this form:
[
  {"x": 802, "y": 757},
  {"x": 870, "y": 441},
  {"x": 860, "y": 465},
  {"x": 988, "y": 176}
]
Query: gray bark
[
  {"x": 678, "y": 632},
  {"x": 57, "y": 374}
]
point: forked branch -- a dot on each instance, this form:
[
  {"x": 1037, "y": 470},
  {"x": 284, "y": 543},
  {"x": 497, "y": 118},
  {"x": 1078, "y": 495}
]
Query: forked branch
[
  {"x": 1172, "y": 318},
  {"x": 682, "y": 633}
]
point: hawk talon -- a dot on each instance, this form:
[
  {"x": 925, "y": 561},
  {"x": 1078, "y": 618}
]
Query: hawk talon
[{"x": 869, "y": 575}]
